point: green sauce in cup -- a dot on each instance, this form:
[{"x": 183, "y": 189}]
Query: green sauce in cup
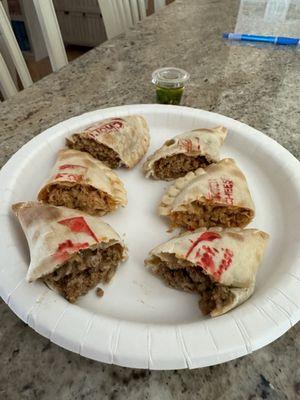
[{"x": 169, "y": 84}]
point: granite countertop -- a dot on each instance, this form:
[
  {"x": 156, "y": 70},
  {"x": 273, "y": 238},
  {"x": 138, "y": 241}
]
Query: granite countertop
[{"x": 257, "y": 86}]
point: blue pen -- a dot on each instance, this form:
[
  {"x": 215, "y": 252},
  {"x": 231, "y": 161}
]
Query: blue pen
[{"x": 257, "y": 38}]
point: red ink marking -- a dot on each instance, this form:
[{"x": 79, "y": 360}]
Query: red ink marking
[
  {"x": 214, "y": 190},
  {"x": 79, "y": 225},
  {"x": 204, "y": 237},
  {"x": 206, "y": 255},
  {"x": 207, "y": 262},
  {"x": 65, "y": 249},
  {"x": 110, "y": 127},
  {"x": 208, "y": 249},
  {"x": 70, "y": 166},
  {"x": 228, "y": 190},
  {"x": 186, "y": 144},
  {"x": 225, "y": 263},
  {"x": 207, "y": 258},
  {"x": 197, "y": 255},
  {"x": 69, "y": 177}
]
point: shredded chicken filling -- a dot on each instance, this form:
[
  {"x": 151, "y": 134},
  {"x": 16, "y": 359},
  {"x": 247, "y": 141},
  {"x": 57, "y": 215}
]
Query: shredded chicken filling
[
  {"x": 177, "y": 165},
  {"x": 199, "y": 215},
  {"x": 80, "y": 197},
  {"x": 183, "y": 275},
  {"x": 84, "y": 270},
  {"x": 98, "y": 150}
]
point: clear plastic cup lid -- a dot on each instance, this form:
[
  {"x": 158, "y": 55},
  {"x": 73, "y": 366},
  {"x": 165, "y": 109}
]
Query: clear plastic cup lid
[{"x": 170, "y": 77}]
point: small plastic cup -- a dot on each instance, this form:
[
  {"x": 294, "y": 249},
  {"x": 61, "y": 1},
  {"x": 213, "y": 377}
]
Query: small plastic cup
[{"x": 170, "y": 83}]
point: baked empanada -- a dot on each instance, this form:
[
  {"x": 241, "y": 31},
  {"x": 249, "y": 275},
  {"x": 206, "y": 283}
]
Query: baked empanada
[
  {"x": 185, "y": 152},
  {"x": 217, "y": 196},
  {"x": 79, "y": 181},
  {"x": 115, "y": 141},
  {"x": 218, "y": 264},
  {"x": 70, "y": 250}
]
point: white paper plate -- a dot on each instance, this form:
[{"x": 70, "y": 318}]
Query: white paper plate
[{"x": 140, "y": 322}]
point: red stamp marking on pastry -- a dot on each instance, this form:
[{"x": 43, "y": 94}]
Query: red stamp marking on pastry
[
  {"x": 71, "y": 166},
  {"x": 188, "y": 145},
  {"x": 228, "y": 190},
  {"x": 110, "y": 127},
  {"x": 207, "y": 262},
  {"x": 204, "y": 237},
  {"x": 206, "y": 255},
  {"x": 79, "y": 225},
  {"x": 206, "y": 259},
  {"x": 214, "y": 192},
  {"x": 71, "y": 176},
  {"x": 66, "y": 248},
  {"x": 225, "y": 263},
  {"x": 209, "y": 250},
  {"x": 68, "y": 177}
]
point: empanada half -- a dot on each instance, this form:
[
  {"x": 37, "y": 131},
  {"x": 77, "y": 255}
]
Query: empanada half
[
  {"x": 80, "y": 181},
  {"x": 70, "y": 250},
  {"x": 218, "y": 264},
  {"x": 115, "y": 141},
  {"x": 185, "y": 152},
  {"x": 217, "y": 196}
]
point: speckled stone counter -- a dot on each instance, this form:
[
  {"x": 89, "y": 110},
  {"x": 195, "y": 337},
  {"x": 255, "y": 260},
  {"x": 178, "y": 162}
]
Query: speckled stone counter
[{"x": 257, "y": 86}]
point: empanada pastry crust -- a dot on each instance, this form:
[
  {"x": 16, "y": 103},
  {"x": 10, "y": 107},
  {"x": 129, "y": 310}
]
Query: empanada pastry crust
[
  {"x": 219, "y": 264},
  {"x": 217, "y": 196},
  {"x": 70, "y": 250},
  {"x": 81, "y": 182},
  {"x": 185, "y": 152},
  {"x": 117, "y": 142}
]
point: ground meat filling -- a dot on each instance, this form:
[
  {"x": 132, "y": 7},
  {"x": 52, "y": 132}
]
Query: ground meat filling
[
  {"x": 178, "y": 165},
  {"x": 182, "y": 275},
  {"x": 98, "y": 150},
  {"x": 84, "y": 270},
  {"x": 199, "y": 215},
  {"x": 80, "y": 197}
]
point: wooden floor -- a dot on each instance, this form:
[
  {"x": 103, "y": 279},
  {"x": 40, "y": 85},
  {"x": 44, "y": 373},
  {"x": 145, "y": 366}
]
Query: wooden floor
[
  {"x": 150, "y": 9},
  {"x": 39, "y": 69}
]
